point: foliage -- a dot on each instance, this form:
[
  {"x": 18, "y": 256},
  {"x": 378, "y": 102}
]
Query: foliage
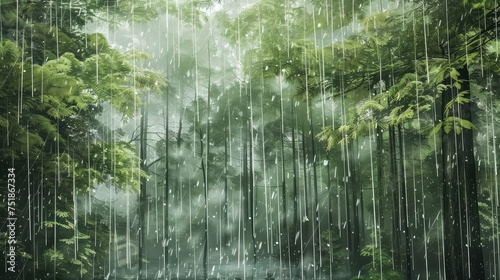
[
  {"x": 337, "y": 255},
  {"x": 381, "y": 266},
  {"x": 53, "y": 92}
]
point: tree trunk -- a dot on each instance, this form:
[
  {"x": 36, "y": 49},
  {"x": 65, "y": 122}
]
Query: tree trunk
[
  {"x": 396, "y": 242},
  {"x": 225, "y": 202},
  {"x": 331, "y": 228},
  {"x": 166, "y": 191},
  {"x": 142, "y": 192},
  {"x": 283, "y": 183},
  {"x": 382, "y": 191},
  {"x": 205, "y": 195},
  {"x": 352, "y": 200},
  {"x": 462, "y": 239},
  {"x": 316, "y": 217},
  {"x": 205, "y": 167},
  {"x": 294, "y": 248},
  {"x": 404, "y": 203},
  {"x": 251, "y": 183}
]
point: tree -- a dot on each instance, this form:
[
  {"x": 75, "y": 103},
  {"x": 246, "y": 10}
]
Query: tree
[
  {"x": 421, "y": 52},
  {"x": 445, "y": 63},
  {"x": 49, "y": 130}
]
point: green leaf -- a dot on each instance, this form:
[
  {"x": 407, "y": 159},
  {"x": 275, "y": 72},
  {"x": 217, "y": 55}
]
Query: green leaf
[
  {"x": 370, "y": 105},
  {"x": 406, "y": 115},
  {"x": 454, "y": 74},
  {"x": 68, "y": 240},
  {"x": 53, "y": 254},
  {"x": 435, "y": 129}
]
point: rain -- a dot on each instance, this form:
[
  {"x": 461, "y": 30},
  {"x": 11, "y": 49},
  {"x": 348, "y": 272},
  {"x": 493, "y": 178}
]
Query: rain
[{"x": 249, "y": 139}]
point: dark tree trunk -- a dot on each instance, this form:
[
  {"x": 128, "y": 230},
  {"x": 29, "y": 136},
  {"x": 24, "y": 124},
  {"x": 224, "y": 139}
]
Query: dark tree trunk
[
  {"x": 166, "y": 189},
  {"x": 462, "y": 239},
  {"x": 251, "y": 184},
  {"x": 294, "y": 175},
  {"x": 205, "y": 195},
  {"x": 382, "y": 191},
  {"x": 331, "y": 228},
  {"x": 225, "y": 205},
  {"x": 205, "y": 169},
  {"x": 316, "y": 217},
  {"x": 396, "y": 229},
  {"x": 142, "y": 193},
  {"x": 246, "y": 181},
  {"x": 287, "y": 245},
  {"x": 404, "y": 204},
  {"x": 356, "y": 211},
  {"x": 352, "y": 200},
  {"x": 294, "y": 246}
]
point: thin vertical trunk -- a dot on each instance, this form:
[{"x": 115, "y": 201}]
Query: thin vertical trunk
[
  {"x": 286, "y": 248},
  {"x": 177, "y": 188},
  {"x": 251, "y": 183},
  {"x": 305, "y": 222},
  {"x": 245, "y": 182},
  {"x": 205, "y": 169},
  {"x": 331, "y": 227},
  {"x": 247, "y": 224},
  {"x": 380, "y": 178},
  {"x": 295, "y": 249},
  {"x": 354, "y": 190},
  {"x": 166, "y": 190},
  {"x": 283, "y": 183},
  {"x": 316, "y": 218},
  {"x": 205, "y": 187},
  {"x": 142, "y": 192},
  {"x": 349, "y": 212},
  {"x": 225, "y": 205},
  {"x": 304, "y": 166},
  {"x": 396, "y": 240},
  {"x": 404, "y": 203}
]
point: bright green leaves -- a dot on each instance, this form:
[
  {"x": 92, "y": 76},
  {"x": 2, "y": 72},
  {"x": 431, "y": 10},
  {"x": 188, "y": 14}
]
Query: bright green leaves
[
  {"x": 401, "y": 104},
  {"x": 44, "y": 126},
  {"x": 454, "y": 74},
  {"x": 75, "y": 249},
  {"x": 478, "y": 4},
  {"x": 400, "y": 115},
  {"x": 460, "y": 99},
  {"x": 451, "y": 121},
  {"x": 275, "y": 35},
  {"x": 71, "y": 240},
  {"x": 119, "y": 159},
  {"x": 330, "y": 136},
  {"x": 53, "y": 255},
  {"x": 97, "y": 44},
  {"x": 114, "y": 77},
  {"x": 452, "y": 124},
  {"x": 370, "y": 105},
  {"x": 258, "y": 22},
  {"x": 408, "y": 98},
  {"x": 9, "y": 53},
  {"x": 360, "y": 121},
  {"x": 66, "y": 225},
  {"x": 374, "y": 21}
]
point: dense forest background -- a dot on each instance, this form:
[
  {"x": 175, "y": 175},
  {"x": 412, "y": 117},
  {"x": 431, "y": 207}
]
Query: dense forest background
[{"x": 257, "y": 139}]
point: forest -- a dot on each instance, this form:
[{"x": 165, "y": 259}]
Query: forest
[{"x": 249, "y": 139}]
